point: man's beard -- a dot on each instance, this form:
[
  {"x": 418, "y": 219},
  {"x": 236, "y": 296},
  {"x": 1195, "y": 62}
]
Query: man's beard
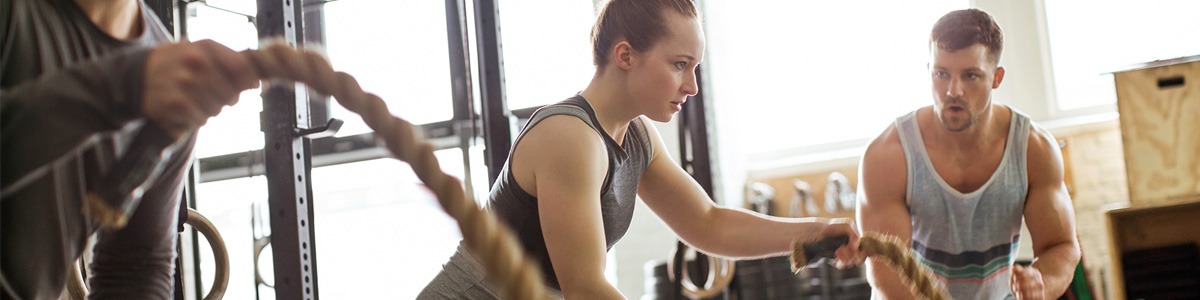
[{"x": 970, "y": 119}]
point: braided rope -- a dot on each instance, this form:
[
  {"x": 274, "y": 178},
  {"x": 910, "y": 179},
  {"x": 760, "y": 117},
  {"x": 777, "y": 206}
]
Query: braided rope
[
  {"x": 494, "y": 245},
  {"x": 892, "y": 252}
]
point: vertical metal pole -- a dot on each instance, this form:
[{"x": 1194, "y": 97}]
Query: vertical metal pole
[
  {"x": 498, "y": 121},
  {"x": 288, "y": 163},
  {"x": 460, "y": 79},
  {"x": 460, "y": 63},
  {"x": 180, "y": 27},
  {"x": 183, "y": 206},
  {"x": 181, "y": 12},
  {"x": 314, "y": 33},
  {"x": 193, "y": 182}
]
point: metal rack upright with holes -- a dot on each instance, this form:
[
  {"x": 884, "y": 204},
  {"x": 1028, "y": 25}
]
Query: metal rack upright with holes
[
  {"x": 288, "y": 163},
  {"x": 498, "y": 121}
]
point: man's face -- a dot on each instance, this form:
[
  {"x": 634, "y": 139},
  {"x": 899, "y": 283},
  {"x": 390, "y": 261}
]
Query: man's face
[{"x": 962, "y": 85}]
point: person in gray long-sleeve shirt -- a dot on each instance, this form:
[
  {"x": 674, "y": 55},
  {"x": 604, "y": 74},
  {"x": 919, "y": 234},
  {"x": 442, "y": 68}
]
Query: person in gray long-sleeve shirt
[{"x": 79, "y": 79}]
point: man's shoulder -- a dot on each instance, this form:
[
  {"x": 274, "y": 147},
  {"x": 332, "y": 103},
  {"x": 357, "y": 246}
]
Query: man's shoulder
[
  {"x": 886, "y": 145},
  {"x": 884, "y": 158},
  {"x": 1042, "y": 148},
  {"x": 1040, "y": 134}
]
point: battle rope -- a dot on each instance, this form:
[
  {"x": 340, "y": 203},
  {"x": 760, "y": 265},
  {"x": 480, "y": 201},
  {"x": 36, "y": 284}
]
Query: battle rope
[
  {"x": 491, "y": 242},
  {"x": 885, "y": 248},
  {"x": 894, "y": 253}
]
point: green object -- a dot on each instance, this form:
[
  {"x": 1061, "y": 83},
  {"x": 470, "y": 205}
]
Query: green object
[{"x": 1079, "y": 288}]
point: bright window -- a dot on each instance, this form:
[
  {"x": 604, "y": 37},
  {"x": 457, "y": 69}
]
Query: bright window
[
  {"x": 383, "y": 235},
  {"x": 368, "y": 229},
  {"x": 227, "y": 204},
  {"x": 789, "y": 74},
  {"x": 397, "y": 50},
  {"x": 1088, "y": 39},
  {"x": 236, "y": 129},
  {"x": 547, "y": 50},
  {"x": 380, "y": 232}
]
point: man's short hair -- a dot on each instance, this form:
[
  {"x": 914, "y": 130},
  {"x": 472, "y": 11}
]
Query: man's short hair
[{"x": 960, "y": 29}]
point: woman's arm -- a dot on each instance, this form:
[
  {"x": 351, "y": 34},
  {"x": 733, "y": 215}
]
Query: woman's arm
[
  {"x": 686, "y": 208},
  {"x": 567, "y": 161}
]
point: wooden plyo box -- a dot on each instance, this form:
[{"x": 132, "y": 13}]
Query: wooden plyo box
[
  {"x": 1159, "y": 105},
  {"x": 1149, "y": 226}
]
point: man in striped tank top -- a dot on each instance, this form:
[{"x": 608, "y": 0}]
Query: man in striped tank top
[{"x": 956, "y": 178}]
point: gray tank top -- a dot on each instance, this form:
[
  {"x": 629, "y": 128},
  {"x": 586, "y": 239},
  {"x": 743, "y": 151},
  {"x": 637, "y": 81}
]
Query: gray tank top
[
  {"x": 969, "y": 240},
  {"x": 626, "y": 163}
]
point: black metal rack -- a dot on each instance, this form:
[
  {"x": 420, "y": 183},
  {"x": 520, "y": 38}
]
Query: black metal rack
[
  {"x": 288, "y": 161},
  {"x": 288, "y": 157}
]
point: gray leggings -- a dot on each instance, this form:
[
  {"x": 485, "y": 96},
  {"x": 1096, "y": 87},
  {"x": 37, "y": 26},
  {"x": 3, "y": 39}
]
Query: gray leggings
[{"x": 464, "y": 278}]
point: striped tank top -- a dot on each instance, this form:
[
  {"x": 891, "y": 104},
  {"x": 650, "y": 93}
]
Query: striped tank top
[{"x": 969, "y": 240}]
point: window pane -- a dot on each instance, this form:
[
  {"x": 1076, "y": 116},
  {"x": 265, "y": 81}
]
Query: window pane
[
  {"x": 227, "y": 204},
  {"x": 236, "y": 128},
  {"x": 380, "y": 232},
  {"x": 369, "y": 217},
  {"x": 547, "y": 52},
  {"x": 397, "y": 50},
  {"x": 1086, "y": 43},
  {"x": 816, "y": 72}
]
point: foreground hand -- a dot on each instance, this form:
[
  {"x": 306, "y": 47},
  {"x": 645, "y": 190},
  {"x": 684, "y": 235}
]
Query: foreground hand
[
  {"x": 187, "y": 83},
  {"x": 847, "y": 255},
  {"x": 1026, "y": 283}
]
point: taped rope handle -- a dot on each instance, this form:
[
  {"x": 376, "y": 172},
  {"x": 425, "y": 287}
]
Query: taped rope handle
[
  {"x": 490, "y": 241},
  {"x": 894, "y": 253}
]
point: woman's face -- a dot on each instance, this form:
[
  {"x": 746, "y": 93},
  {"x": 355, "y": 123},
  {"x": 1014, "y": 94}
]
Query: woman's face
[{"x": 662, "y": 77}]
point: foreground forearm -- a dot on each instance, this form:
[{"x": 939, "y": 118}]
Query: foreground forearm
[
  {"x": 735, "y": 232},
  {"x": 1057, "y": 265},
  {"x": 594, "y": 289},
  {"x": 885, "y": 282}
]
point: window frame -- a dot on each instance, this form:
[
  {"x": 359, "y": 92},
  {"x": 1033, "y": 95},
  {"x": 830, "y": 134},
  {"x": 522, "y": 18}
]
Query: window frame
[{"x": 463, "y": 131}]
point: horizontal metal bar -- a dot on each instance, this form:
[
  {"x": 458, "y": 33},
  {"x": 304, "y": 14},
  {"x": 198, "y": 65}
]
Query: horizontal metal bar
[{"x": 326, "y": 152}]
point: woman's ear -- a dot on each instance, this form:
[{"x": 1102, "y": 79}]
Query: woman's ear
[{"x": 623, "y": 55}]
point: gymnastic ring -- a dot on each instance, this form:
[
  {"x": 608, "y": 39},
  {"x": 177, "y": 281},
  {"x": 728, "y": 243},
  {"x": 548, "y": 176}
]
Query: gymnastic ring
[
  {"x": 78, "y": 290},
  {"x": 75, "y": 287},
  {"x": 720, "y": 273},
  {"x": 259, "y": 245}
]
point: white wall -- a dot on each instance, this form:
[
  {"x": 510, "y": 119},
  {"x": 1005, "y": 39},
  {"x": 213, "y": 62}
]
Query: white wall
[
  {"x": 648, "y": 237},
  {"x": 1026, "y": 81}
]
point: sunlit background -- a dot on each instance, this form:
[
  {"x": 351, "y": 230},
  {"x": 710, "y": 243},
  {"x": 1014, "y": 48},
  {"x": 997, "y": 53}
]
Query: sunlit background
[{"x": 786, "y": 79}]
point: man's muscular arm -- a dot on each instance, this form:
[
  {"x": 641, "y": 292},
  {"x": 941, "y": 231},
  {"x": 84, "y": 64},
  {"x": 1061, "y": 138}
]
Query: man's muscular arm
[
  {"x": 883, "y": 180},
  {"x": 1051, "y": 221}
]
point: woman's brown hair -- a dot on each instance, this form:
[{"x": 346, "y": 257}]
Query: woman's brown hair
[{"x": 640, "y": 22}]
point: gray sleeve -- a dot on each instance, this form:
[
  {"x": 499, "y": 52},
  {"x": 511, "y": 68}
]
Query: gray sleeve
[
  {"x": 42, "y": 118},
  {"x": 138, "y": 261}
]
